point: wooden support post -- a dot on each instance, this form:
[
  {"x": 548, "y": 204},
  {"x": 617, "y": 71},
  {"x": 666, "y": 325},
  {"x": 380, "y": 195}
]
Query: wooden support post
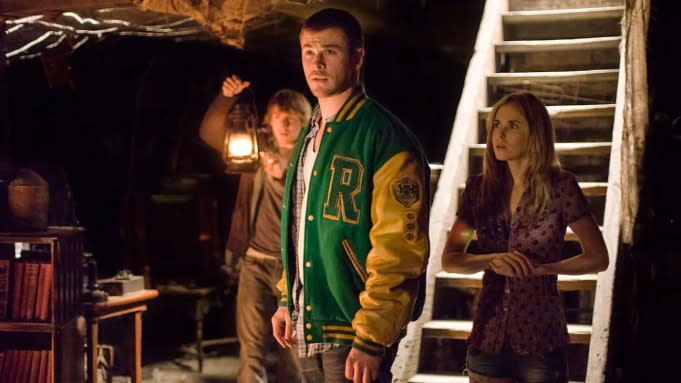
[
  {"x": 92, "y": 341},
  {"x": 5, "y": 146}
]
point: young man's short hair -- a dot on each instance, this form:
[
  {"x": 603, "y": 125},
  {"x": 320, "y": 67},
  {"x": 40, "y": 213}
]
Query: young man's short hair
[
  {"x": 288, "y": 100},
  {"x": 337, "y": 18}
]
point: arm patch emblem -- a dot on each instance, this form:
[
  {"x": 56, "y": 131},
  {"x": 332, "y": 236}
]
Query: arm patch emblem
[{"x": 406, "y": 191}]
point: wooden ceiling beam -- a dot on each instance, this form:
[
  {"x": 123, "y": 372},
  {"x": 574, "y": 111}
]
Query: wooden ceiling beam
[
  {"x": 23, "y": 7},
  {"x": 368, "y": 15}
]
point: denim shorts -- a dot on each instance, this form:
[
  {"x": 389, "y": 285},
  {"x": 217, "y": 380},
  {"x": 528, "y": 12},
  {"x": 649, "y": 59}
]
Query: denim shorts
[{"x": 550, "y": 368}]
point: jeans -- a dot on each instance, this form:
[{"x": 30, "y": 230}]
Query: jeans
[
  {"x": 329, "y": 367},
  {"x": 257, "y": 300}
]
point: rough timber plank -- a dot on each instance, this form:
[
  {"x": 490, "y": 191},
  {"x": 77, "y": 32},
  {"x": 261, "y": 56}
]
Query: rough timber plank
[
  {"x": 528, "y": 5},
  {"x": 569, "y": 111},
  {"x": 528, "y": 46},
  {"x": 563, "y": 148},
  {"x": 572, "y": 87},
  {"x": 565, "y": 282},
  {"x": 460, "y": 330},
  {"x": 557, "y": 15},
  {"x": 433, "y": 378}
]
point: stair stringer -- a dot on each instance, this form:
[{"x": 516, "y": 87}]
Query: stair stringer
[{"x": 454, "y": 173}]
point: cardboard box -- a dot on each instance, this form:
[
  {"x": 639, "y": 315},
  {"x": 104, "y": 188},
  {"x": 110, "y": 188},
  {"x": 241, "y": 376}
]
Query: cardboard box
[{"x": 117, "y": 287}]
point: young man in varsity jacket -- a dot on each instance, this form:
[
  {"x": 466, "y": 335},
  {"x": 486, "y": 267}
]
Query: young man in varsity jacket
[{"x": 354, "y": 223}]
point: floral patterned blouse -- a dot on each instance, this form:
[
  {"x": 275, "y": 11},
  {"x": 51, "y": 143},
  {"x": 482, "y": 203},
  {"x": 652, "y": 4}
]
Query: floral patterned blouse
[{"x": 525, "y": 314}]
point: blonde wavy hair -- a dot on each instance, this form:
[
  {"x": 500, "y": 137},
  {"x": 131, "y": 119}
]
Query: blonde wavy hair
[
  {"x": 543, "y": 162},
  {"x": 289, "y": 100}
]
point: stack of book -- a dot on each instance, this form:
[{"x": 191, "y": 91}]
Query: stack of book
[
  {"x": 25, "y": 291},
  {"x": 26, "y": 366}
]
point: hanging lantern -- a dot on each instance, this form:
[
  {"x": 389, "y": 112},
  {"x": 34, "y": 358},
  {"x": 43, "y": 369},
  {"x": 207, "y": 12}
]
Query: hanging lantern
[{"x": 240, "y": 151}]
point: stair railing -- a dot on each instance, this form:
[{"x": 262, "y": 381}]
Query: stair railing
[
  {"x": 454, "y": 173},
  {"x": 598, "y": 346}
]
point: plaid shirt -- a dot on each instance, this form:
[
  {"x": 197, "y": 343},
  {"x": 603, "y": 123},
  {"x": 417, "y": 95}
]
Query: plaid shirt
[{"x": 304, "y": 349}]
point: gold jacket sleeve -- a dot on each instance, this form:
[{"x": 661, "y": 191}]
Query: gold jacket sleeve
[
  {"x": 399, "y": 254},
  {"x": 281, "y": 286}
]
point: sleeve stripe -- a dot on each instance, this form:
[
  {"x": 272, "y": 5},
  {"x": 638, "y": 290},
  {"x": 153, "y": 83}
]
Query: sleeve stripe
[{"x": 368, "y": 343}]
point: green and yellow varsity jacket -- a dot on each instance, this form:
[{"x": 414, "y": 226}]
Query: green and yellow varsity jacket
[{"x": 366, "y": 232}]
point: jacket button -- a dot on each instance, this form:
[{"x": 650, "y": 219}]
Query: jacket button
[
  {"x": 308, "y": 308},
  {"x": 283, "y": 206},
  {"x": 309, "y": 337},
  {"x": 314, "y": 172},
  {"x": 308, "y": 264},
  {"x": 308, "y": 325},
  {"x": 310, "y": 218},
  {"x": 329, "y": 130}
]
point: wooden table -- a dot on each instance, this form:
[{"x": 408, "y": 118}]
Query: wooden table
[{"x": 131, "y": 306}]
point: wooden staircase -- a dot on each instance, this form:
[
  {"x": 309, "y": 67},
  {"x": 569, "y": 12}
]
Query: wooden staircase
[{"x": 567, "y": 53}]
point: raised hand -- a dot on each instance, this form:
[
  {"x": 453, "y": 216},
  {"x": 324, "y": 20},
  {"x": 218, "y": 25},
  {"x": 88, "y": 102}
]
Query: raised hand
[
  {"x": 233, "y": 86},
  {"x": 272, "y": 165}
]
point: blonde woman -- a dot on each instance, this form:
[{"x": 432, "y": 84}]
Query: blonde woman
[{"x": 520, "y": 207}]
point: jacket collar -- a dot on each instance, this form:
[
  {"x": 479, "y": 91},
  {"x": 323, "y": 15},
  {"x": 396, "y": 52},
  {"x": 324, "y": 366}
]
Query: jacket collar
[{"x": 352, "y": 105}]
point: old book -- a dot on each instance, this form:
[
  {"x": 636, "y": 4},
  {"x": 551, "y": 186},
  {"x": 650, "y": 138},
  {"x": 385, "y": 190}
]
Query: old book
[
  {"x": 17, "y": 289},
  {"x": 10, "y": 366},
  {"x": 4, "y": 287},
  {"x": 44, "y": 354},
  {"x": 42, "y": 303},
  {"x": 35, "y": 367},
  {"x": 2, "y": 362},
  {"x": 22, "y": 365},
  {"x": 30, "y": 290},
  {"x": 50, "y": 367}
]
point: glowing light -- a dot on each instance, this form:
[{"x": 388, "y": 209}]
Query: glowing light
[
  {"x": 240, "y": 145},
  {"x": 111, "y": 25},
  {"x": 32, "y": 43},
  {"x": 14, "y": 28},
  {"x": 81, "y": 42},
  {"x": 59, "y": 41},
  {"x": 32, "y": 56},
  {"x": 173, "y": 24},
  {"x": 27, "y": 19},
  {"x": 121, "y": 22},
  {"x": 55, "y": 25},
  {"x": 151, "y": 34},
  {"x": 98, "y": 32},
  {"x": 81, "y": 20}
]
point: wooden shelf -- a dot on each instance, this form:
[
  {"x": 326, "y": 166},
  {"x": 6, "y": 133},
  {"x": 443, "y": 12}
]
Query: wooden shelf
[
  {"x": 47, "y": 236},
  {"x": 60, "y": 247},
  {"x": 26, "y": 327}
]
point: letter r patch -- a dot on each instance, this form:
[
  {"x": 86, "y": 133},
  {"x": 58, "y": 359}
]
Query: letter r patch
[{"x": 345, "y": 184}]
